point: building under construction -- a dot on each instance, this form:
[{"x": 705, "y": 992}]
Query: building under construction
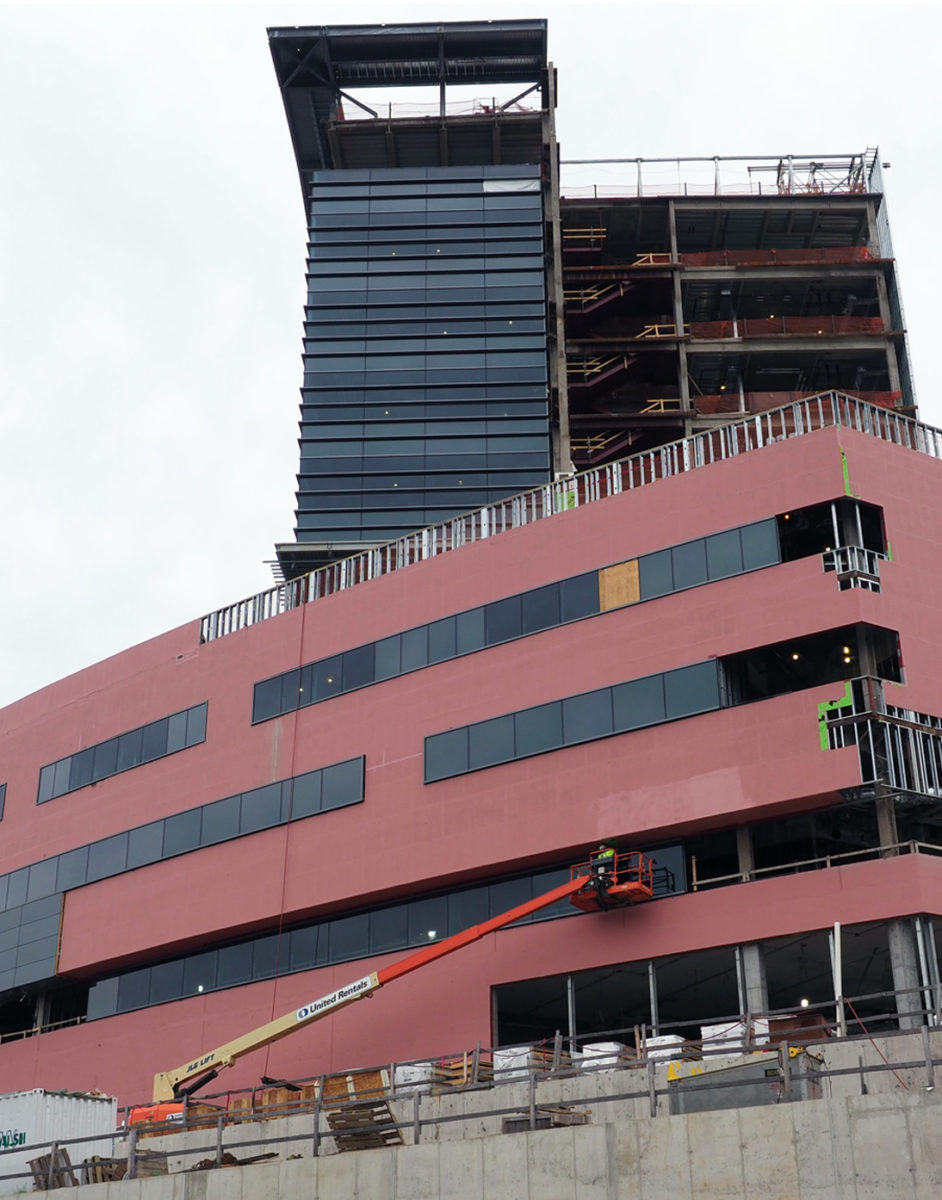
[{"x": 612, "y": 525}]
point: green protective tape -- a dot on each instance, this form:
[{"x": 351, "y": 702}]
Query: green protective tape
[
  {"x": 845, "y": 472},
  {"x": 827, "y": 706},
  {"x": 889, "y": 551}
]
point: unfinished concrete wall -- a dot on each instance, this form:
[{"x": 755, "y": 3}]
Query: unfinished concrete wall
[{"x": 862, "y": 1148}]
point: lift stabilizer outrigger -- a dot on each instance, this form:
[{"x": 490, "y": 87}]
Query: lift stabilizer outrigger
[{"x": 600, "y": 884}]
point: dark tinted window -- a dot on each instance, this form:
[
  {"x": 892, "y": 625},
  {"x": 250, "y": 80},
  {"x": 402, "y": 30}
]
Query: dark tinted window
[
  {"x": 724, "y": 554},
  {"x": 490, "y": 742},
  {"x": 220, "y": 821},
  {"x": 446, "y": 754},
  {"x": 176, "y": 732},
  {"x": 154, "y": 740},
  {"x": 134, "y": 990},
  {"x": 349, "y": 937},
  {"x": 267, "y": 955},
  {"x": 358, "y": 667},
  {"x": 80, "y": 772},
  {"x": 389, "y": 928},
  {"x": 414, "y": 648},
  {"x": 196, "y": 725},
  {"x": 760, "y": 545},
  {"x": 540, "y": 608},
  {"x": 638, "y": 703},
  {"x": 105, "y": 760},
  {"x": 588, "y": 716},
  {"x": 428, "y": 920},
  {"x": 441, "y": 640},
  {"x": 306, "y": 795},
  {"x": 267, "y": 700},
  {"x": 691, "y": 690},
  {"x": 502, "y": 620},
  {"x": 656, "y": 575},
  {"x": 469, "y": 631},
  {"x": 538, "y": 729},
  {"x": 181, "y": 833},
  {"x": 689, "y": 564},
  {"x": 166, "y": 982},
  {"x": 234, "y": 965},
  {"x": 199, "y": 973},
  {"x": 42, "y": 879},
  {"x": 342, "y": 784},
  {"x": 388, "y": 658},
  {"x": 72, "y": 869},
  {"x": 107, "y": 857},
  {"x": 261, "y": 808},
  {"x": 327, "y": 676},
  {"x": 145, "y": 844}
]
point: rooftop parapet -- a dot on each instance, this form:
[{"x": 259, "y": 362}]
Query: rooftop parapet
[
  {"x": 724, "y": 441},
  {"x": 741, "y": 175}
]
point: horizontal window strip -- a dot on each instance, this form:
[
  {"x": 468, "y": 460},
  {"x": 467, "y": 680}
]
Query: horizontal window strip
[
  {"x": 635, "y": 704},
  {"x": 704, "y": 560},
  {"x": 418, "y": 922},
  {"x": 335, "y": 786},
  {"x": 122, "y": 753}
]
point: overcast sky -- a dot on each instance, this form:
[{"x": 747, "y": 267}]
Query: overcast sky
[{"x": 152, "y": 276}]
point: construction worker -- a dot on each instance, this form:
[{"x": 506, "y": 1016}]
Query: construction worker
[{"x": 603, "y": 860}]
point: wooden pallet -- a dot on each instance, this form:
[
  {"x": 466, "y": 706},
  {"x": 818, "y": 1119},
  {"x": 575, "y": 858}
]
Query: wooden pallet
[
  {"x": 49, "y": 1173},
  {"x": 111, "y": 1170},
  {"x": 104, "y": 1170},
  {"x": 363, "y": 1125},
  {"x": 471, "y": 1069},
  {"x": 547, "y": 1117},
  {"x": 269, "y": 1103},
  {"x": 546, "y": 1058},
  {"x": 356, "y": 1085}
]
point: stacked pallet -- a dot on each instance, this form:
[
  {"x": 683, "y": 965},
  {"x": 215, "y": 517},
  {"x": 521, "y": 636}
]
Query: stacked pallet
[
  {"x": 272, "y": 1102},
  {"x": 471, "y": 1069},
  {"x": 356, "y": 1085},
  {"x": 363, "y": 1125}
]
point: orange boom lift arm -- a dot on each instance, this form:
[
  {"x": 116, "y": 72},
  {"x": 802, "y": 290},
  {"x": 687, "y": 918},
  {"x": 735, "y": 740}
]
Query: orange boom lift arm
[{"x": 594, "y": 886}]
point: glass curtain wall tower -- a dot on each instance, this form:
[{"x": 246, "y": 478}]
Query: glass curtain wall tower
[{"x": 432, "y": 380}]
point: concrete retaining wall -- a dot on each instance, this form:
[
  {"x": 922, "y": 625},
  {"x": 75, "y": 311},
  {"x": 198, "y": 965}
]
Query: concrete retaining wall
[{"x": 877, "y": 1147}]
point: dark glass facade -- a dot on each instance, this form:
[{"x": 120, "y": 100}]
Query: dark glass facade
[
  {"x": 704, "y": 560},
  {"x": 425, "y": 353},
  {"x": 132, "y": 749},
  {"x": 351, "y": 936}
]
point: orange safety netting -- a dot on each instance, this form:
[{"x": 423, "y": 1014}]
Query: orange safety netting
[
  {"x": 753, "y": 258},
  {"x": 779, "y": 326},
  {"x": 758, "y": 402}
]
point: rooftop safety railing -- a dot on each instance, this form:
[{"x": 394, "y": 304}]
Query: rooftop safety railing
[
  {"x": 405, "y": 110},
  {"x": 744, "y": 175},
  {"x": 639, "y": 470}
]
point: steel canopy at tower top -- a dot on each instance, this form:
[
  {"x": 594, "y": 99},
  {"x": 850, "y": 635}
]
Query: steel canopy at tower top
[{"x": 315, "y": 65}]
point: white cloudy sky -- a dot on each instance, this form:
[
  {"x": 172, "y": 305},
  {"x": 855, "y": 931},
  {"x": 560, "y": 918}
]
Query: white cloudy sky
[{"x": 151, "y": 261}]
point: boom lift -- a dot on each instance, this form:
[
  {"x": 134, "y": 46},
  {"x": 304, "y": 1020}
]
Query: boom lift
[{"x": 602, "y": 883}]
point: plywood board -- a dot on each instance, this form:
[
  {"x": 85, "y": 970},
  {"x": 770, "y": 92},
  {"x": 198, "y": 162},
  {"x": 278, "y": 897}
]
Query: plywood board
[{"x": 619, "y": 585}]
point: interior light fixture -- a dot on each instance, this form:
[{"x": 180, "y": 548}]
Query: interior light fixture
[
  {"x": 199, "y": 987},
  {"x": 432, "y": 933},
  {"x": 795, "y": 656},
  {"x": 805, "y": 1002}
]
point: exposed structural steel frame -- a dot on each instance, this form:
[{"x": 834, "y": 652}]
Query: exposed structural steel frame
[{"x": 318, "y": 66}]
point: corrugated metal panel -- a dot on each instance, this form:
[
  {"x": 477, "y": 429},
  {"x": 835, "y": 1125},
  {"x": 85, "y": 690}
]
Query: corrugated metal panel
[{"x": 40, "y": 1117}]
